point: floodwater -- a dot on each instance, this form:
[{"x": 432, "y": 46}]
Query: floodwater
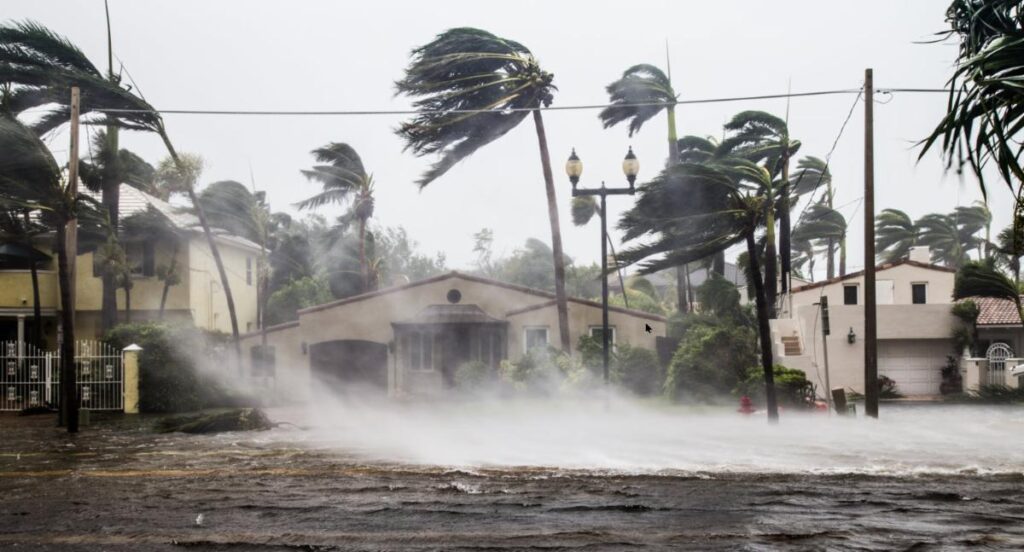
[{"x": 536, "y": 475}]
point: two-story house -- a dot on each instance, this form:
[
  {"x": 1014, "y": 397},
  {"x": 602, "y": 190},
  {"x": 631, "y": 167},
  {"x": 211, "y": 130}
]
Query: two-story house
[
  {"x": 198, "y": 296},
  {"x": 915, "y": 326}
]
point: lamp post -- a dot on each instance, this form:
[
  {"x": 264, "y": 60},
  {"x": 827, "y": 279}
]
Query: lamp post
[{"x": 630, "y": 167}]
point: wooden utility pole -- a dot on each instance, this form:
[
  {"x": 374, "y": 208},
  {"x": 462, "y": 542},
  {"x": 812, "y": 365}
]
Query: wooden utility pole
[
  {"x": 68, "y": 383},
  {"x": 870, "y": 308}
]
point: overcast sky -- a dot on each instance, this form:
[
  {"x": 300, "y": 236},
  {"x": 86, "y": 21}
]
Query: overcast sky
[{"x": 189, "y": 54}]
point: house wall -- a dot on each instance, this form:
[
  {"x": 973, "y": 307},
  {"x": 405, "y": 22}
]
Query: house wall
[
  {"x": 292, "y": 381},
  {"x": 16, "y": 289},
  {"x": 629, "y": 329},
  {"x": 206, "y": 297},
  {"x": 940, "y": 287}
]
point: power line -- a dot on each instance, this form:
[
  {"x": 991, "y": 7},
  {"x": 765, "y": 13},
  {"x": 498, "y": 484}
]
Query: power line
[{"x": 509, "y": 110}]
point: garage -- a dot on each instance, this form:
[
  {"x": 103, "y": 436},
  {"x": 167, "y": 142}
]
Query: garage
[{"x": 914, "y": 364}]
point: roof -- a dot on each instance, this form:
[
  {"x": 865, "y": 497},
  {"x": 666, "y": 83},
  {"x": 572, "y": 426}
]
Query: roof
[
  {"x": 451, "y": 314},
  {"x": 472, "y": 278},
  {"x": 996, "y": 312},
  {"x": 637, "y": 313},
  {"x": 133, "y": 201},
  {"x": 878, "y": 268}
]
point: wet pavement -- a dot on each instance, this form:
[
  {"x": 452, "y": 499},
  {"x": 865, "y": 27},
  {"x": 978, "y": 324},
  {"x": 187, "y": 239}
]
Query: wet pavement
[{"x": 118, "y": 486}]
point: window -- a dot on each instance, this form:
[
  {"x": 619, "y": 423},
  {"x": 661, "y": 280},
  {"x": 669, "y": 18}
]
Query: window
[
  {"x": 419, "y": 351},
  {"x": 919, "y": 293},
  {"x": 534, "y": 338},
  {"x": 850, "y": 295},
  {"x": 595, "y": 332},
  {"x": 248, "y": 270},
  {"x": 148, "y": 258}
]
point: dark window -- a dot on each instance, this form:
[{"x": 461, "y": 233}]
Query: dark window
[
  {"x": 148, "y": 258},
  {"x": 849, "y": 295},
  {"x": 920, "y": 293},
  {"x": 248, "y": 270},
  {"x": 596, "y": 331},
  {"x": 454, "y": 296}
]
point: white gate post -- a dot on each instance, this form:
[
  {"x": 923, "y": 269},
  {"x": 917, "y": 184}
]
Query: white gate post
[{"x": 130, "y": 379}]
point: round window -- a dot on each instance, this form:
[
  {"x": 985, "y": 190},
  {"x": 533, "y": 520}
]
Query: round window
[{"x": 454, "y": 296}]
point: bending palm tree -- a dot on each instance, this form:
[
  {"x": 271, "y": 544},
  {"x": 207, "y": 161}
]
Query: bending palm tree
[
  {"x": 343, "y": 178},
  {"x": 472, "y": 87},
  {"x": 982, "y": 279},
  {"x": 895, "y": 234},
  {"x": 825, "y": 227},
  {"x": 812, "y": 172},
  {"x": 694, "y": 210}
]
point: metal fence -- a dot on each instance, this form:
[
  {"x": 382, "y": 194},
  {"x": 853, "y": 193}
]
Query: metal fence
[{"x": 30, "y": 376}]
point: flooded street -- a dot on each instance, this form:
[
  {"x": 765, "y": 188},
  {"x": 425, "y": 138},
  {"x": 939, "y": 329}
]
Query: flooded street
[{"x": 343, "y": 485}]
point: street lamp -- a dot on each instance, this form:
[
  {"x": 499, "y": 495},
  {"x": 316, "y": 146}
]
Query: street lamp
[{"x": 630, "y": 168}]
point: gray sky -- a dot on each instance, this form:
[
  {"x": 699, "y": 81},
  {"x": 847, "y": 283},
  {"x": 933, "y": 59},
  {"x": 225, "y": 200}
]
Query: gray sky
[{"x": 190, "y": 54}]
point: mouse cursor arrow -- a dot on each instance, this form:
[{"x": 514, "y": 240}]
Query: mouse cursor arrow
[{"x": 648, "y": 328}]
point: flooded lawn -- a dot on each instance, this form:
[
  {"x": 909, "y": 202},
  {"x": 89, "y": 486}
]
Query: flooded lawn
[{"x": 489, "y": 477}]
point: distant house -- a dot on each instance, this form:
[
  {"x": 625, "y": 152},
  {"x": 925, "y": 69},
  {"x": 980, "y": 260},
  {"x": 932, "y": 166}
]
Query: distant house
[
  {"x": 411, "y": 339},
  {"x": 915, "y": 326},
  {"x": 198, "y": 297}
]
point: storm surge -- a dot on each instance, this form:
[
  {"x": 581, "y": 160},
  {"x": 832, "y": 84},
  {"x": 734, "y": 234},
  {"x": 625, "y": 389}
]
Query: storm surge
[{"x": 630, "y": 437}]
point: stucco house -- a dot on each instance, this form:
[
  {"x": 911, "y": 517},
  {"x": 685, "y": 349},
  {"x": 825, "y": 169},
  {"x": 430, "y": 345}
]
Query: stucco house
[
  {"x": 198, "y": 296},
  {"x": 410, "y": 339},
  {"x": 915, "y": 325}
]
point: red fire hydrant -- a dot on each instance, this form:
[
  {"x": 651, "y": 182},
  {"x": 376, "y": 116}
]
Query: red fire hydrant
[{"x": 746, "y": 405}]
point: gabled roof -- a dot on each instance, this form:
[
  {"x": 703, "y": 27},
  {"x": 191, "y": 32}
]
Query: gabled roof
[
  {"x": 480, "y": 280},
  {"x": 878, "y": 268},
  {"x": 996, "y": 312}
]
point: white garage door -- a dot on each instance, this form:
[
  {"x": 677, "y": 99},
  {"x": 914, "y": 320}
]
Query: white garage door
[{"x": 915, "y": 365}]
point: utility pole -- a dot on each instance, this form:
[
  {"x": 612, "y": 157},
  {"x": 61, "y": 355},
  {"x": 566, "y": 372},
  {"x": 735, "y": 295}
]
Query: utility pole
[
  {"x": 870, "y": 307},
  {"x": 68, "y": 383},
  {"x": 825, "y": 331}
]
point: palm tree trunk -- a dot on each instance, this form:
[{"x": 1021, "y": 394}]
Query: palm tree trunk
[
  {"x": 111, "y": 199},
  {"x": 784, "y": 228},
  {"x": 618, "y": 270},
  {"x": 764, "y": 331},
  {"x": 362, "y": 255},
  {"x": 830, "y": 259},
  {"x": 771, "y": 277},
  {"x": 842, "y": 257},
  {"x": 690, "y": 299},
  {"x": 127, "y": 305},
  {"x": 214, "y": 250},
  {"x": 673, "y": 140},
  {"x": 171, "y": 268},
  {"x": 681, "y": 296},
  {"x": 68, "y": 382},
  {"x": 556, "y": 235},
  {"x": 37, "y": 309}
]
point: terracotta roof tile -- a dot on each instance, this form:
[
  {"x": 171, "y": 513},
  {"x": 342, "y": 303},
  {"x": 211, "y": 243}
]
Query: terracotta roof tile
[{"x": 996, "y": 312}]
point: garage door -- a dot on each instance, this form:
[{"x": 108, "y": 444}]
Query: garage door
[{"x": 915, "y": 365}]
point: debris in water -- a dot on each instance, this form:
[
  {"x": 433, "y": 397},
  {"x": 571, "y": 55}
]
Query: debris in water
[
  {"x": 239, "y": 419},
  {"x": 199, "y": 520}
]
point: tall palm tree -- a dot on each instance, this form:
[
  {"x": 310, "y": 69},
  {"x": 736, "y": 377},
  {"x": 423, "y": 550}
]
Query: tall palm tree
[
  {"x": 895, "y": 234},
  {"x": 43, "y": 66},
  {"x": 473, "y": 87},
  {"x": 30, "y": 179},
  {"x": 811, "y": 173},
  {"x": 1010, "y": 248},
  {"x": 764, "y": 138},
  {"x": 824, "y": 227},
  {"x": 692, "y": 210},
  {"x": 985, "y": 119},
  {"x": 950, "y": 241},
  {"x": 344, "y": 179},
  {"x": 974, "y": 219}
]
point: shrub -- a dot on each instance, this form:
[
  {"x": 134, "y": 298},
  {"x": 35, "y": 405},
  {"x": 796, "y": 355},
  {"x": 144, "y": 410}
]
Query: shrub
[
  {"x": 792, "y": 388},
  {"x": 998, "y": 394},
  {"x": 297, "y": 294},
  {"x": 637, "y": 369},
  {"x": 169, "y": 380},
  {"x": 473, "y": 376},
  {"x": 710, "y": 361}
]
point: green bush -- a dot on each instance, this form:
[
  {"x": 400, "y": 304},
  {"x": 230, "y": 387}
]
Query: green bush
[
  {"x": 710, "y": 361},
  {"x": 169, "y": 380},
  {"x": 297, "y": 294},
  {"x": 792, "y": 388},
  {"x": 638, "y": 370},
  {"x": 473, "y": 375}
]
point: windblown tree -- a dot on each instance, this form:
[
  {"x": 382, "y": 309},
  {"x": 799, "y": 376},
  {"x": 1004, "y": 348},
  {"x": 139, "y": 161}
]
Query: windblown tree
[
  {"x": 811, "y": 173},
  {"x": 638, "y": 96},
  {"x": 152, "y": 225},
  {"x": 984, "y": 124},
  {"x": 824, "y": 228},
  {"x": 895, "y": 234},
  {"x": 343, "y": 178},
  {"x": 583, "y": 210},
  {"x": 42, "y": 67},
  {"x": 1009, "y": 248},
  {"x": 949, "y": 241},
  {"x": 691, "y": 211},
  {"x": 471, "y": 88},
  {"x": 983, "y": 279},
  {"x": 764, "y": 138}
]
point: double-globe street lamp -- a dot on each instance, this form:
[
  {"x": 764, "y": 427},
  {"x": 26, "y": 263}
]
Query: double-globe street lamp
[{"x": 630, "y": 167}]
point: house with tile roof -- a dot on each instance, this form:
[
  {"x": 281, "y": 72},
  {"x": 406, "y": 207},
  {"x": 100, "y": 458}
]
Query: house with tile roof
[
  {"x": 411, "y": 339},
  {"x": 198, "y": 297}
]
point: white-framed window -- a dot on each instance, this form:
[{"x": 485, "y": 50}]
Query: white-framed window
[
  {"x": 418, "y": 350},
  {"x": 919, "y": 293},
  {"x": 595, "y": 333},
  {"x": 535, "y": 337}
]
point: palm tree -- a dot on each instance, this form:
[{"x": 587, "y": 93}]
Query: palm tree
[
  {"x": 640, "y": 94},
  {"x": 974, "y": 219},
  {"x": 472, "y": 87},
  {"x": 824, "y": 227},
  {"x": 1010, "y": 248},
  {"x": 31, "y": 180},
  {"x": 985, "y": 121},
  {"x": 343, "y": 179},
  {"x": 812, "y": 172},
  {"x": 152, "y": 225},
  {"x": 950, "y": 240},
  {"x": 691, "y": 211},
  {"x": 895, "y": 234},
  {"x": 43, "y": 66},
  {"x": 764, "y": 138},
  {"x": 982, "y": 279}
]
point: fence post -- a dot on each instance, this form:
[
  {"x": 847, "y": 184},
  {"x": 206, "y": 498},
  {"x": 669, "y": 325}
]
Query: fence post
[{"x": 131, "y": 378}]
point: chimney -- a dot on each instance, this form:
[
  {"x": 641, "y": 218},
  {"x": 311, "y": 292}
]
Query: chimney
[{"x": 921, "y": 254}]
